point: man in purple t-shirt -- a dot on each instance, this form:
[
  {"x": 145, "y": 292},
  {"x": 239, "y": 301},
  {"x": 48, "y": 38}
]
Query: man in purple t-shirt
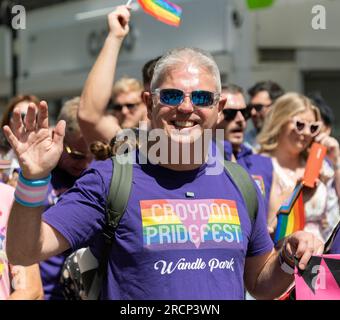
[
  {"x": 233, "y": 121},
  {"x": 185, "y": 233}
]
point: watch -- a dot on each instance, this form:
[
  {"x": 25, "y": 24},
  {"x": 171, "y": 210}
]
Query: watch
[{"x": 286, "y": 267}]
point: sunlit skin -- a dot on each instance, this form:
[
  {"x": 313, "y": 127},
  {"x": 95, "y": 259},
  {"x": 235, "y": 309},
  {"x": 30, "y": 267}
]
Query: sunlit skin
[
  {"x": 20, "y": 107},
  {"x": 263, "y": 98},
  {"x": 184, "y": 125},
  {"x": 187, "y": 120},
  {"x": 129, "y": 118},
  {"x": 293, "y": 142},
  {"x": 234, "y": 129}
]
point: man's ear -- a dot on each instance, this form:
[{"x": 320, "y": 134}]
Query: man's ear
[
  {"x": 147, "y": 99},
  {"x": 221, "y": 104}
]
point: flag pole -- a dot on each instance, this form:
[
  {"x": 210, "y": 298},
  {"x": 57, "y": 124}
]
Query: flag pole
[{"x": 129, "y": 2}]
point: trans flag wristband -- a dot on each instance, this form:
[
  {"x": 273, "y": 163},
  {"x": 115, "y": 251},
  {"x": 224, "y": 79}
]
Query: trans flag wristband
[{"x": 31, "y": 193}]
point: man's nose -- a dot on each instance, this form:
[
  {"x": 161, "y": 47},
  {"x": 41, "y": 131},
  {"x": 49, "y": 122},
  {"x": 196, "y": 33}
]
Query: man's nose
[
  {"x": 253, "y": 112},
  {"x": 239, "y": 117},
  {"x": 125, "y": 110},
  {"x": 186, "y": 106}
]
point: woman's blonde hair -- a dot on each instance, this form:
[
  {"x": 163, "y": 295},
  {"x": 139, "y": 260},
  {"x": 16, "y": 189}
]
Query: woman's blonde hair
[{"x": 283, "y": 110}]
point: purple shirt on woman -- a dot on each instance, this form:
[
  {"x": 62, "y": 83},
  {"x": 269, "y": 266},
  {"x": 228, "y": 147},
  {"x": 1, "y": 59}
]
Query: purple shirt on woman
[{"x": 184, "y": 235}]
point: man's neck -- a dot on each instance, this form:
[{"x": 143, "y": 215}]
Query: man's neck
[
  {"x": 236, "y": 149},
  {"x": 188, "y": 159}
]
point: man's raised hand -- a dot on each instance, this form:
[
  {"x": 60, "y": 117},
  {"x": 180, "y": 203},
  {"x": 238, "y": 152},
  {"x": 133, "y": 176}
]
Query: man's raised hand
[{"x": 119, "y": 21}]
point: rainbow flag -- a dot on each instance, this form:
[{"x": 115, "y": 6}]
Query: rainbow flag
[
  {"x": 291, "y": 215},
  {"x": 163, "y": 10}
]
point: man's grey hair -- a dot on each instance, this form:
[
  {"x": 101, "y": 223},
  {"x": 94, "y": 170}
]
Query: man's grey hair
[{"x": 182, "y": 56}]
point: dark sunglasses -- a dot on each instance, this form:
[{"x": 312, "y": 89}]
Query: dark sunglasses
[
  {"x": 230, "y": 114},
  {"x": 258, "y": 107},
  {"x": 76, "y": 155},
  {"x": 175, "y": 97},
  {"x": 119, "y": 107},
  {"x": 314, "y": 127}
]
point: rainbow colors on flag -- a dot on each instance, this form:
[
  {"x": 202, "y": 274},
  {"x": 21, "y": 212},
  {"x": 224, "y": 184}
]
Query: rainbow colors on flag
[
  {"x": 163, "y": 10},
  {"x": 291, "y": 215}
]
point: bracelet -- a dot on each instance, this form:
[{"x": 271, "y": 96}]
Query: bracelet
[
  {"x": 31, "y": 193},
  {"x": 285, "y": 267},
  {"x": 286, "y": 263}
]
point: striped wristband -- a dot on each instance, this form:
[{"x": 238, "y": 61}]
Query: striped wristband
[{"x": 31, "y": 193}]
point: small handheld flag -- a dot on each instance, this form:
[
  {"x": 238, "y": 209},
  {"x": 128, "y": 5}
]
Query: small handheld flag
[
  {"x": 163, "y": 10},
  {"x": 291, "y": 215}
]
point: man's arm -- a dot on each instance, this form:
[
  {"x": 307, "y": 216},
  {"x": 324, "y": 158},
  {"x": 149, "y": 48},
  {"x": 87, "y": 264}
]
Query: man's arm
[
  {"x": 44, "y": 241},
  {"x": 266, "y": 282},
  {"x": 265, "y": 279},
  {"x": 95, "y": 124},
  {"x": 27, "y": 283}
]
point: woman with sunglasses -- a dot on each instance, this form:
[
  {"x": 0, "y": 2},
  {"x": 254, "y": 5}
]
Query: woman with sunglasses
[{"x": 288, "y": 132}]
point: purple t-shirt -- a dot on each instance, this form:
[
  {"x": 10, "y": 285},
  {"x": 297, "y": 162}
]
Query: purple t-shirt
[
  {"x": 335, "y": 249},
  {"x": 259, "y": 167},
  {"x": 169, "y": 245},
  {"x": 50, "y": 269}
]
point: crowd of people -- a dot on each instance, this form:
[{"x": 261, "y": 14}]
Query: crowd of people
[{"x": 183, "y": 232}]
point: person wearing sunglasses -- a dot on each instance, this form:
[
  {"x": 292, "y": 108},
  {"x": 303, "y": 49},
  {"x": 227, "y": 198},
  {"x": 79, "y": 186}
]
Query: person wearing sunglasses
[
  {"x": 177, "y": 214},
  {"x": 74, "y": 159},
  {"x": 288, "y": 132},
  {"x": 262, "y": 95},
  {"x": 234, "y": 123},
  {"x": 127, "y": 104}
]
